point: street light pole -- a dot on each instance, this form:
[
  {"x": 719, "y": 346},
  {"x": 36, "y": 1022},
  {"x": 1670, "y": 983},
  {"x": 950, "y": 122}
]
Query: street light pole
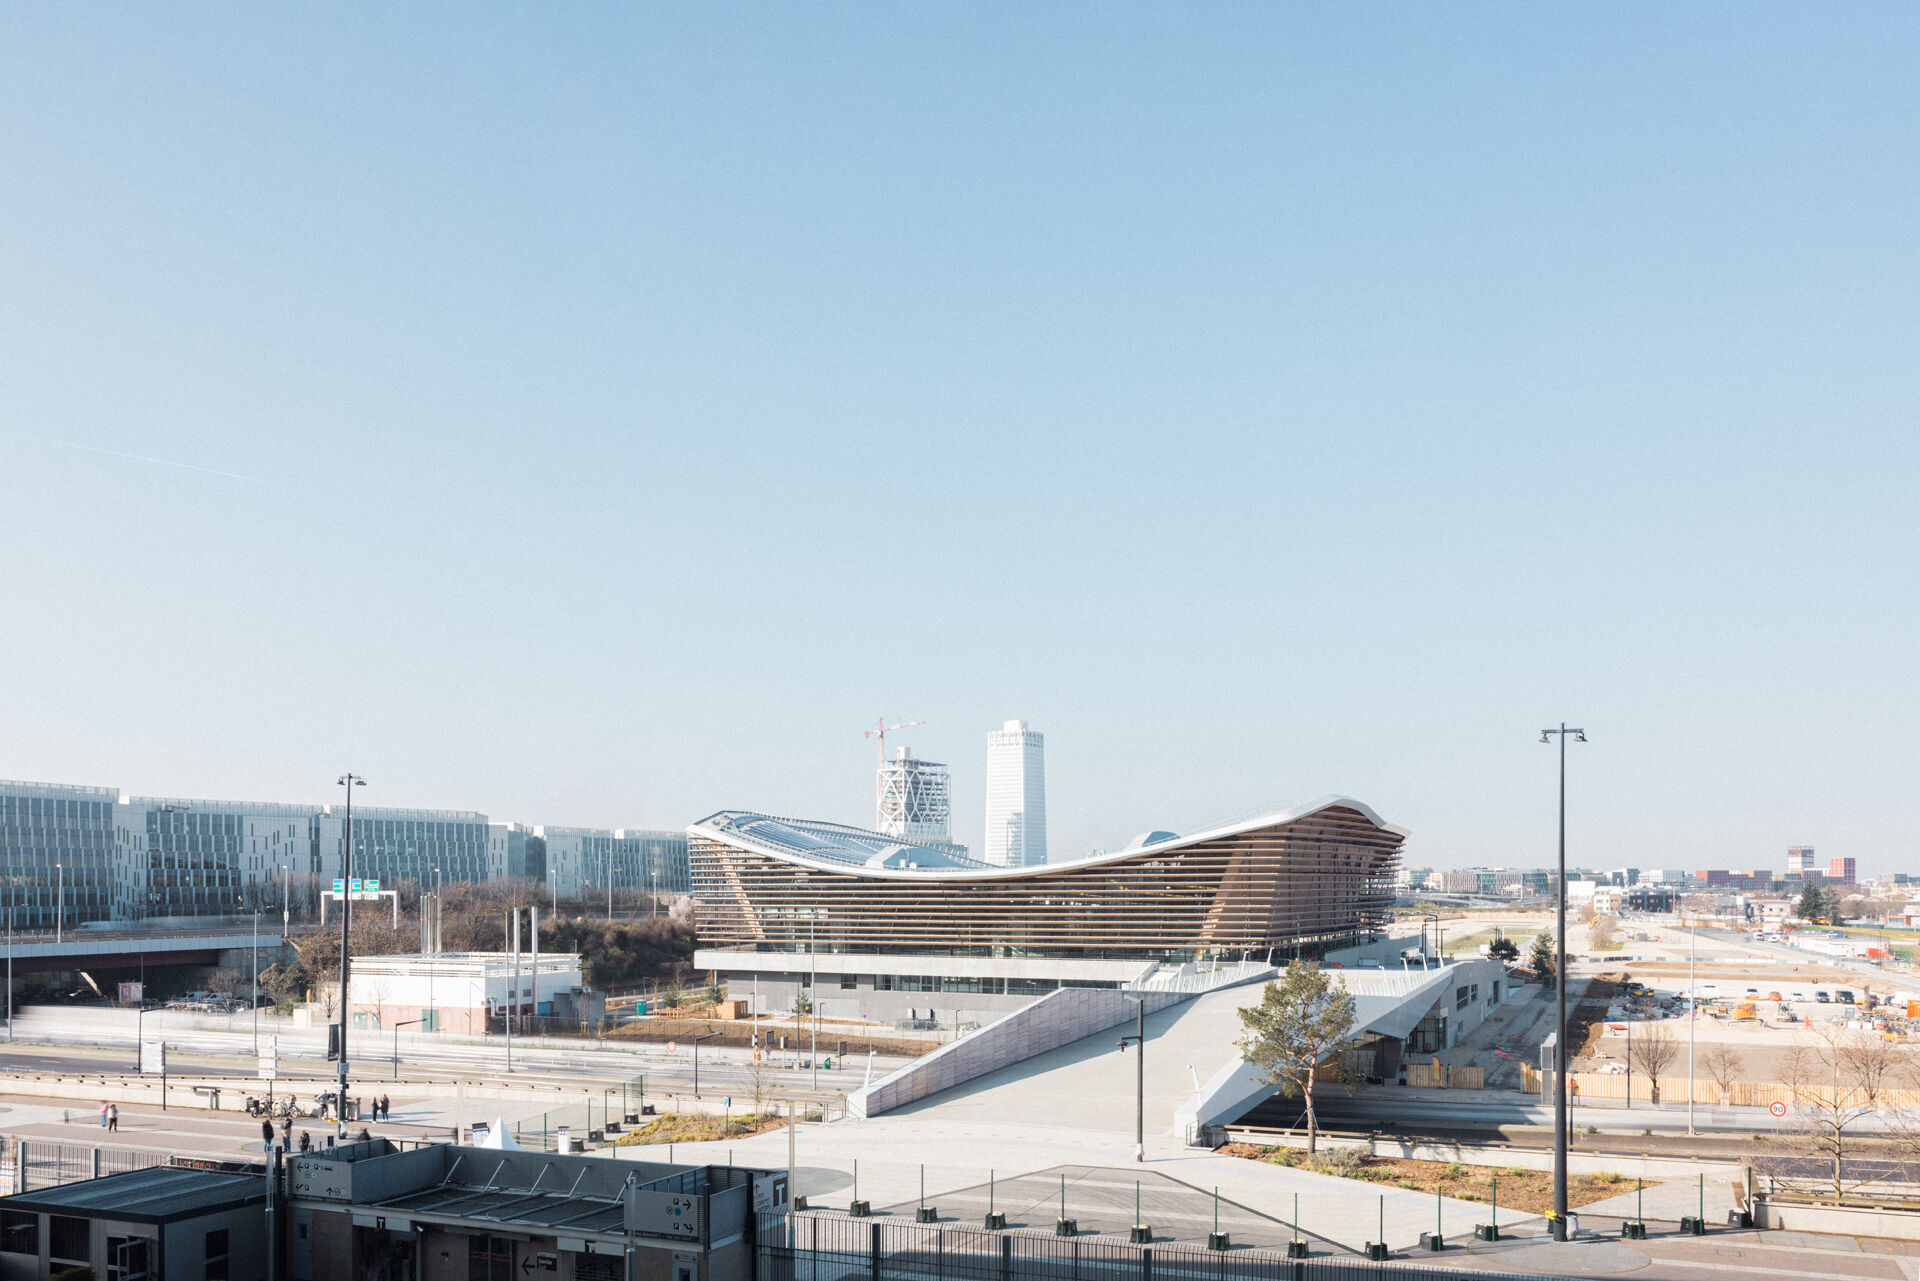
[
  {"x": 1559, "y": 1222},
  {"x": 813, "y": 999},
  {"x": 348, "y": 781},
  {"x": 60, "y": 901},
  {"x": 256, "y": 978},
  {"x": 1693, "y": 999},
  {"x": 1139, "y": 1038}
]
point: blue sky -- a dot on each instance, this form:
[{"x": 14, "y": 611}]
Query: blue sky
[{"x": 623, "y": 406}]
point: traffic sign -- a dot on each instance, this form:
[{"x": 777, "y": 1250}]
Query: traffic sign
[
  {"x": 338, "y": 885},
  {"x": 1778, "y": 1109},
  {"x": 673, "y": 1047},
  {"x": 268, "y": 1073}
]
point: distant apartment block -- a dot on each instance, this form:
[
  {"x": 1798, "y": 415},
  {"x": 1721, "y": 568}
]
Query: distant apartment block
[
  {"x": 1800, "y": 860},
  {"x": 1842, "y": 870}
]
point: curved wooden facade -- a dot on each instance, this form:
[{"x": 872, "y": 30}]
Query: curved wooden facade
[{"x": 1322, "y": 875}]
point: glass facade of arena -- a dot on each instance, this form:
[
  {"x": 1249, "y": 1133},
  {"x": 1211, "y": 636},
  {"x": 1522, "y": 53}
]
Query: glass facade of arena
[{"x": 1314, "y": 878}]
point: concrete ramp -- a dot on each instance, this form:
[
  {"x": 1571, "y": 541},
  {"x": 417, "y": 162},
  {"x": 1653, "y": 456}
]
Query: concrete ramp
[
  {"x": 1089, "y": 1084},
  {"x": 1058, "y": 1019}
]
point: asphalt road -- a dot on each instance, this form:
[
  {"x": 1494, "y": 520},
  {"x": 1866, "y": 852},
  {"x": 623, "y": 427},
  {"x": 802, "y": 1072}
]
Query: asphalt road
[{"x": 194, "y": 1053}]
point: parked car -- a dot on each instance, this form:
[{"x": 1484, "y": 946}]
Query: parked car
[
  {"x": 1820, "y": 995},
  {"x": 1844, "y": 995}
]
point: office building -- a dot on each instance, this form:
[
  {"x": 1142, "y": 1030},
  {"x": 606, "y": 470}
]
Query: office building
[
  {"x": 83, "y": 854},
  {"x": 57, "y": 853},
  {"x": 515, "y": 851},
  {"x": 582, "y": 862},
  {"x": 395, "y": 845},
  {"x": 1800, "y": 860},
  {"x": 187, "y": 857},
  {"x": 1842, "y": 870},
  {"x": 1016, "y": 797}
]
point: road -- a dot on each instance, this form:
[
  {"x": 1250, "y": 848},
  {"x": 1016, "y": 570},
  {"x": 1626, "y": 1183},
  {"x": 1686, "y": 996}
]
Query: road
[{"x": 425, "y": 1060}]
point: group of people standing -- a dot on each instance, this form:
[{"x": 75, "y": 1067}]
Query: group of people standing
[{"x": 382, "y": 1110}]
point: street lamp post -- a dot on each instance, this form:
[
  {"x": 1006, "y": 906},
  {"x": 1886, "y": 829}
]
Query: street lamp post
[
  {"x": 696, "y": 1060},
  {"x": 1139, "y": 1038},
  {"x": 256, "y": 978},
  {"x": 1693, "y": 999},
  {"x": 60, "y": 901},
  {"x": 396, "y": 1043},
  {"x": 348, "y": 781},
  {"x": 1559, "y": 1223}
]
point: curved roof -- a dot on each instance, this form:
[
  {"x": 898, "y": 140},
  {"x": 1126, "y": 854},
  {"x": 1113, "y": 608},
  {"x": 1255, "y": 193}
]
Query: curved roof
[{"x": 831, "y": 847}]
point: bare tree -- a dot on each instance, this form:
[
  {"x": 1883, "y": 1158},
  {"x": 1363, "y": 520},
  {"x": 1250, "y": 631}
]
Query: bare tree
[
  {"x": 1837, "y": 1083},
  {"x": 1723, "y": 1065},
  {"x": 327, "y": 992},
  {"x": 1652, "y": 1052},
  {"x": 759, "y": 1081},
  {"x": 1600, "y": 933}
]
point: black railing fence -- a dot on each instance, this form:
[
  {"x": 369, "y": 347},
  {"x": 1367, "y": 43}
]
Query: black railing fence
[{"x": 826, "y": 1247}]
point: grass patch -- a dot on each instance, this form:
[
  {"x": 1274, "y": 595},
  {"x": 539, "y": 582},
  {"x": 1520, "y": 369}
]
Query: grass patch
[
  {"x": 1523, "y": 1191},
  {"x": 699, "y": 1127}
]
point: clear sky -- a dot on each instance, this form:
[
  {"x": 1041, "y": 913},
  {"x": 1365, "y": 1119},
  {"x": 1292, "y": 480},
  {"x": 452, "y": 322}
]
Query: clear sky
[{"x": 601, "y": 413}]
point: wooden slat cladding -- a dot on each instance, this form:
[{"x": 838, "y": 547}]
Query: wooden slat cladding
[{"x": 1324, "y": 876}]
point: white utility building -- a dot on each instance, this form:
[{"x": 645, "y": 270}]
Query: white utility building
[{"x": 1016, "y": 796}]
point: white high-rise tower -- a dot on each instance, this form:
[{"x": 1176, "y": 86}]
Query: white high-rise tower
[{"x": 1016, "y": 796}]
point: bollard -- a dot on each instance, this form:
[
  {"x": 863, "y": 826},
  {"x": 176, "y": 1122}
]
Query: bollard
[
  {"x": 1217, "y": 1240},
  {"x": 1141, "y": 1234}
]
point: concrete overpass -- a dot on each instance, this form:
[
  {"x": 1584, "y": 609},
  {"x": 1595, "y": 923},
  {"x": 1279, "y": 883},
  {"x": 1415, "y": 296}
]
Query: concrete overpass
[{"x": 122, "y": 949}]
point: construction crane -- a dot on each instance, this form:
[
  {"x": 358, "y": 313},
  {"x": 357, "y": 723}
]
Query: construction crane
[{"x": 881, "y": 730}]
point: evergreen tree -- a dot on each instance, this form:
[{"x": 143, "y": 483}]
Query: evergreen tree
[
  {"x": 1304, "y": 1020},
  {"x": 1542, "y": 956}
]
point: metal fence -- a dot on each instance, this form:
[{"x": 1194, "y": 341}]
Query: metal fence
[
  {"x": 28, "y": 1165},
  {"x": 822, "y": 1247}
]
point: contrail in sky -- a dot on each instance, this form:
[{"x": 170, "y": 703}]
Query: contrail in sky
[{"x": 138, "y": 458}]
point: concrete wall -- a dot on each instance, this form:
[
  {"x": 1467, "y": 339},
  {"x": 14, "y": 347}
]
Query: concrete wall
[
  {"x": 1043, "y": 1024},
  {"x": 1843, "y": 1220}
]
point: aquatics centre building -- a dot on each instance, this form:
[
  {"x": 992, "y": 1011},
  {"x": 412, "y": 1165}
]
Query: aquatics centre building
[{"x": 881, "y": 928}]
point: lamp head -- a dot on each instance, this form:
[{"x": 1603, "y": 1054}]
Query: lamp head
[
  {"x": 1580, "y": 736},
  {"x": 1543, "y": 735}
]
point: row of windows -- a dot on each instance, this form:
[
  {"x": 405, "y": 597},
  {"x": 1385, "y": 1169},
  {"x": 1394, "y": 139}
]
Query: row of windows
[
  {"x": 983, "y": 986},
  {"x": 15, "y": 808}
]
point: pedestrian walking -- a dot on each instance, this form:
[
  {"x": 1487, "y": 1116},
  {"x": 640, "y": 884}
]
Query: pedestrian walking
[
  {"x": 386, "y": 1108},
  {"x": 103, "y": 1113},
  {"x": 113, "y": 1118},
  {"x": 306, "y": 1141},
  {"x": 286, "y": 1133},
  {"x": 266, "y": 1135}
]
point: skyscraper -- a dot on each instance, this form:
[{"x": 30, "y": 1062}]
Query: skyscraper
[
  {"x": 913, "y": 797},
  {"x": 1016, "y": 796},
  {"x": 1800, "y": 860}
]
